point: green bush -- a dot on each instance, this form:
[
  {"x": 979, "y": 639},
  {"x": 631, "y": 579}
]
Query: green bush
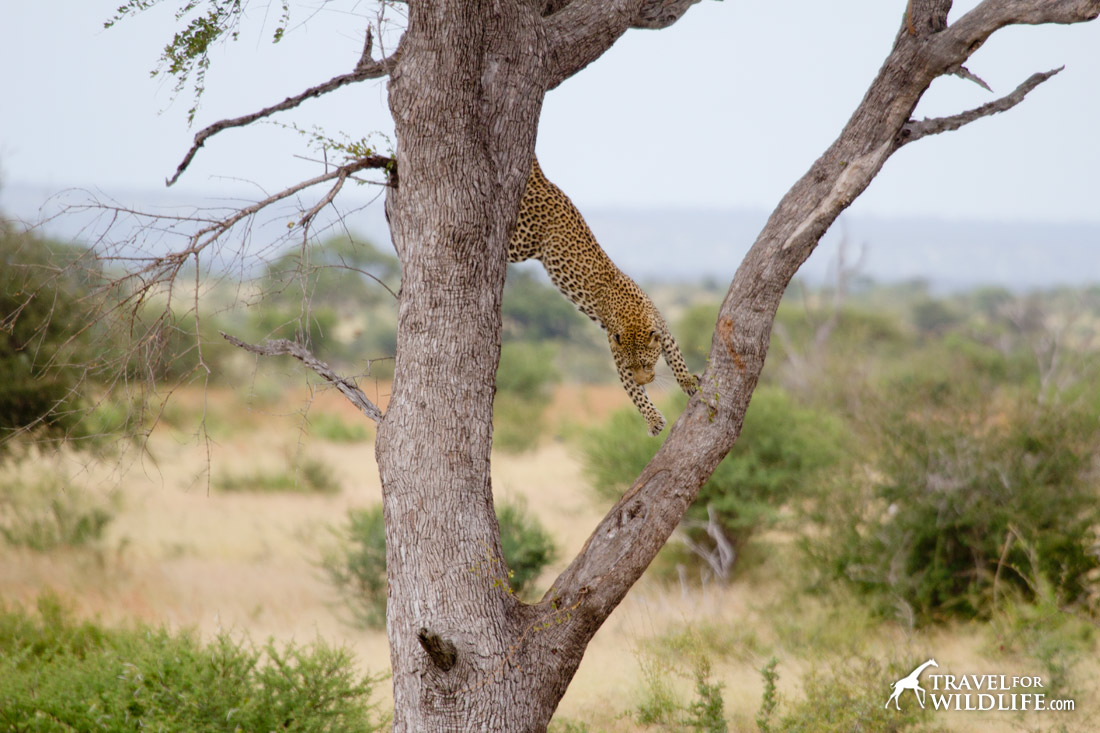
[
  {"x": 970, "y": 490},
  {"x": 1040, "y": 628},
  {"x": 47, "y": 514},
  {"x": 527, "y": 545},
  {"x": 781, "y": 452},
  {"x": 46, "y": 335},
  {"x": 525, "y": 380},
  {"x": 357, "y": 565},
  {"x": 58, "y": 674}
]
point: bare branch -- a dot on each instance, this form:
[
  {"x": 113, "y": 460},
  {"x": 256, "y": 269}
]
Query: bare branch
[
  {"x": 914, "y": 130},
  {"x": 308, "y": 216},
  {"x": 364, "y": 69},
  {"x": 285, "y": 347},
  {"x": 163, "y": 268}
]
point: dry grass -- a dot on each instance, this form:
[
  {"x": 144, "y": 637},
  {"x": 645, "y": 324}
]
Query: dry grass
[{"x": 181, "y": 554}]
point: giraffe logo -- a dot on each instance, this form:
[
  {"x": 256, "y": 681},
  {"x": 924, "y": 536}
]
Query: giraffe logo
[{"x": 911, "y": 682}]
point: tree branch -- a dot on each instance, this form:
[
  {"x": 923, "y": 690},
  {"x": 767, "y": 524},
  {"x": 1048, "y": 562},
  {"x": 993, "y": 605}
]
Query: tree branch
[
  {"x": 163, "y": 268},
  {"x": 628, "y": 538},
  {"x": 281, "y": 347},
  {"x": 580, "y": 32},
  {"x": 915, "y": 130},
  {"x": 969, "y": 32},
  {"x": 364, "y": 69}
]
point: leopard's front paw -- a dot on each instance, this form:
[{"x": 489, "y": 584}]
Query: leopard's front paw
[
  {"x": 656, "y": 425},
  {"x": 690, "y": 384}
]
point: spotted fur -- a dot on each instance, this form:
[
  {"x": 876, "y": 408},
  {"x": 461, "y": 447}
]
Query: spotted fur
[{"x": 551, "y": 230}]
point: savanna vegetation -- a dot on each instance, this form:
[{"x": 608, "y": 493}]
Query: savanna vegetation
[{"x": 917, "y": 476}]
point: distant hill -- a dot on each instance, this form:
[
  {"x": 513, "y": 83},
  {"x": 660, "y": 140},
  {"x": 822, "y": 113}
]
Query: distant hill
[{"x": 690, "y": 245}]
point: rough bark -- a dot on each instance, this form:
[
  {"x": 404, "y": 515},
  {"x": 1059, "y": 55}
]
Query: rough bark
[{"x": 465, "y": 99}]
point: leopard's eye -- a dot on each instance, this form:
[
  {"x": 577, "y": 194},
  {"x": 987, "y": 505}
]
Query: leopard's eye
[{"x": 618, "y": 340}]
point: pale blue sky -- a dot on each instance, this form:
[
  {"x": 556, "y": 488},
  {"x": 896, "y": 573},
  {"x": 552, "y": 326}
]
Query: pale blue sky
[{"x": 735, "y": 102}]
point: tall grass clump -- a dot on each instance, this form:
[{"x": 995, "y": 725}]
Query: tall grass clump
[
  {"x": 46, "y": 514},
  {"x": 308, "y": 476}
]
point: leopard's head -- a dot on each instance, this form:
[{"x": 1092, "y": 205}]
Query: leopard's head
[{"x": 637, "y": 346}]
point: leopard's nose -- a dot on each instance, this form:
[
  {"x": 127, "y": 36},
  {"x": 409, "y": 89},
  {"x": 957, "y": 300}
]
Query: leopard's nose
[{"x": 643, "y": 375}]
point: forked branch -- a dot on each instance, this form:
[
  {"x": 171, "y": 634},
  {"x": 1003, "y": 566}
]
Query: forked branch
[
  {"x": 915, "y": 130},
  {"x": 365, "y": 69}
]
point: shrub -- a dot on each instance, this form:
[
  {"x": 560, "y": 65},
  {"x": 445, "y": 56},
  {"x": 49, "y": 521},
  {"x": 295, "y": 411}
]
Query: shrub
[
  {"x": 60, "y": 674},
  {"x": 357, "y": 565},
  {"x": 660, "y": 705},
  {"x": 781, "y": 451},
  {"x": 969, "y": 491},
  {"x": 525, "y": 381},
  {"x": 527, "y": 545},
  {"x": 46, "y": 337}
]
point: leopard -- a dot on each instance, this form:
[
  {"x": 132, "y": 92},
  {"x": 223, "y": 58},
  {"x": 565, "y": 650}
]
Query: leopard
[{"x": 550, "y": 229}]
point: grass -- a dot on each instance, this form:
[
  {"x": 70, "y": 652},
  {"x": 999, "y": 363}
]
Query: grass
[
  {"x": 45, "y": 513},
  {"x": 308, "y": 476},
  {"x": 235, "y": 560}
]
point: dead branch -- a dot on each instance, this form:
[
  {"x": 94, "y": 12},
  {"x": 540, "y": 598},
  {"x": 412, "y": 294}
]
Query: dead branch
[
  {"x": 308, "y": 216},
  {"x": 964, "y": 73},
  {"x": 285, "y": 347},
  {"x": 164, "y": 268},
  {"x": 364, "y": 69},
  {"x": 915, "y": 130}
]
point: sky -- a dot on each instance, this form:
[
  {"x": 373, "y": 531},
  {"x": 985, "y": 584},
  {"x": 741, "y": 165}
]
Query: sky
[{"x": 726, "y": 109}]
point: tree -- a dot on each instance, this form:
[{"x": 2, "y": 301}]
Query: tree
[{"x": 466, "y": 87}]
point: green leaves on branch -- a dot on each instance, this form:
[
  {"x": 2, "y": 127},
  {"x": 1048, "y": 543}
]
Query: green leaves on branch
[{"x": 188, "y": 53}]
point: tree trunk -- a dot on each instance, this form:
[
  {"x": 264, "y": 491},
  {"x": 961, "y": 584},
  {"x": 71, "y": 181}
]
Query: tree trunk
[{"x": 465, "y": 99}]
